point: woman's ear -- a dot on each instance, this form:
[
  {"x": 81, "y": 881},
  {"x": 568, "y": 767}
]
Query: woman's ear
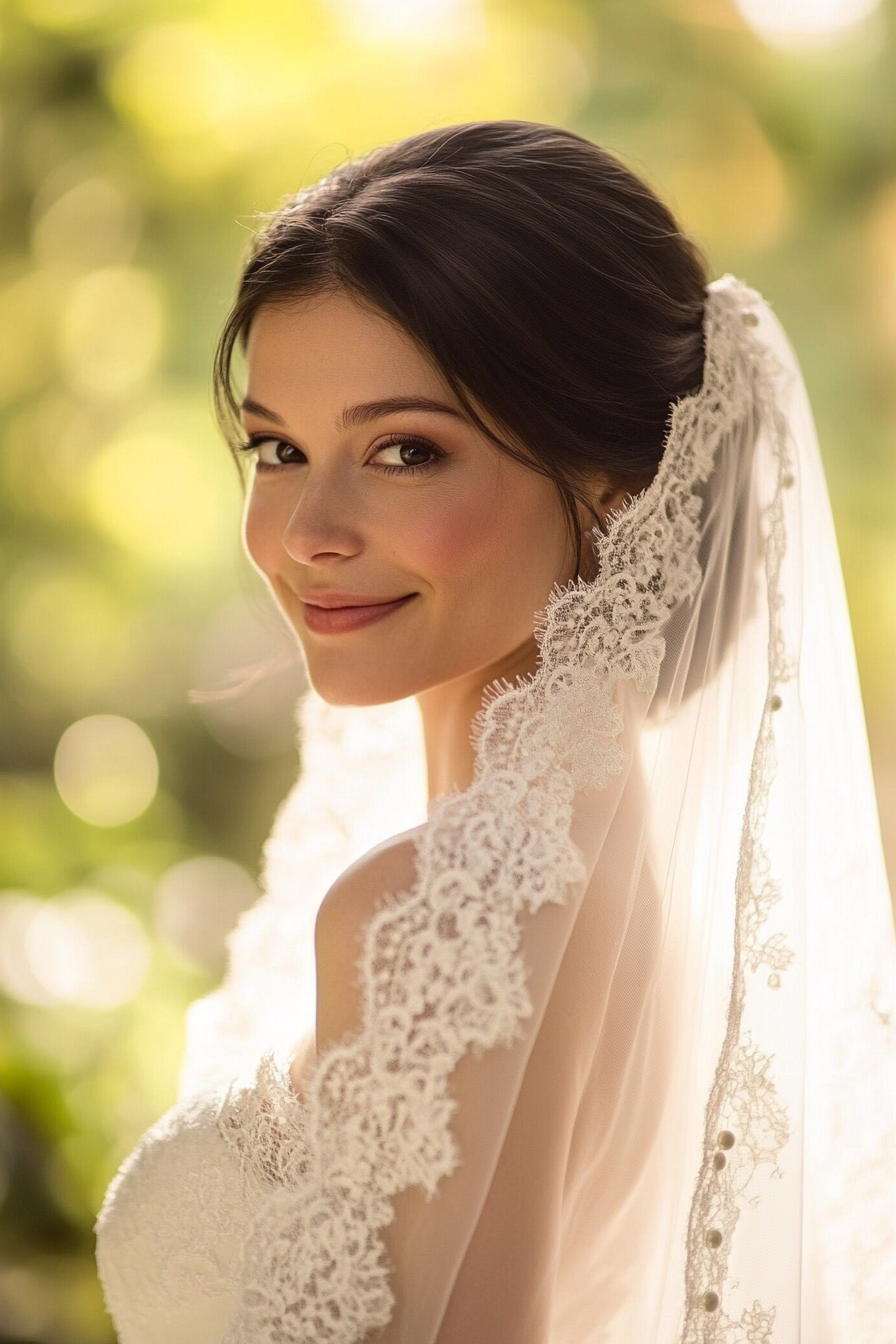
[
  {"x": 602, "y": 499},
  {"x": 609, "y": 498},
  {"x": 593, "y": 513}
]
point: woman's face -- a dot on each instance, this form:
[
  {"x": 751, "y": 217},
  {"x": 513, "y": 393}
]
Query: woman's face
[{"x": 404, "y": 548}]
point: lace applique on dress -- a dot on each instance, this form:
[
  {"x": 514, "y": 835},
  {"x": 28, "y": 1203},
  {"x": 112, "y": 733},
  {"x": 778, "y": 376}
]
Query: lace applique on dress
[
  {"x": 263, "y": 1124},
  {"x": 172, "y": 1222},
  {"x": 441, "y": 969}
]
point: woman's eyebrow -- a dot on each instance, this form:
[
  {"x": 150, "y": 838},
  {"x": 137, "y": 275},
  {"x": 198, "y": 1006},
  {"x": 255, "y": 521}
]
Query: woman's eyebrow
[
  {"x": 363, "y": 411},
  {"x": 256, "y": 408},
  {"x": 353, "y": 416}
]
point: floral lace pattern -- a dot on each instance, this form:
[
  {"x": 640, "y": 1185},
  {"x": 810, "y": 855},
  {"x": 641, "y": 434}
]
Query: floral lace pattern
[
  {"x": 745, "y": 1122},
  {"x": 172, "y": 1260},
  {"x": 264, "y": 1128},
  {"x": 441, "y": 969}
]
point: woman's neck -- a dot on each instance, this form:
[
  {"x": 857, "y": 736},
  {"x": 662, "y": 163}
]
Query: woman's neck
[{"x": 448, "y": 711}]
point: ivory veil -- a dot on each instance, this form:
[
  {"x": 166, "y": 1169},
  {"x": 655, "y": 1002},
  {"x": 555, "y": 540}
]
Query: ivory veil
[{"x": 629, "y": 1040}]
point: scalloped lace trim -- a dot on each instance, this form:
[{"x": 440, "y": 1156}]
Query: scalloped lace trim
[
  {"x": 746, "y": 1124},
  {"x": 441, "y": 967}
]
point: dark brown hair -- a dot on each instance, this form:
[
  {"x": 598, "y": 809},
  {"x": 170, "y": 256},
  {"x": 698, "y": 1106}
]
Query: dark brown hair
[{"x": 552, "y": 288}]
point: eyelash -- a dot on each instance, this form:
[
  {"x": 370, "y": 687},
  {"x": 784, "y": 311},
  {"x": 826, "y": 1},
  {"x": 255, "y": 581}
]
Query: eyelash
[
  {"x": 255, "y": 441},
  {"x": 389, "y": 468},
  {"x": 412, "y": 469}
]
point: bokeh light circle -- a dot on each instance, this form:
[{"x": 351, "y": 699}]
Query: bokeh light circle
[
  {"x": 78, "y": 948},
  {"x": 407, "y": 19},
  {"x": 804, "y": 22},
  {"x": 88, "y": 225},
  {"x": 160, "y": 498},
  {"x": 111, "y": 332},
  {"x": 106, "y": 770},
  {"x": 198, "y": 902},
  {"x": 18, "y": 909}
]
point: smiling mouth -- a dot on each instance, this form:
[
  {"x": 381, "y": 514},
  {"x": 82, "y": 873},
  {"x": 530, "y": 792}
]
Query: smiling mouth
[{"x": 339, "y": 620}]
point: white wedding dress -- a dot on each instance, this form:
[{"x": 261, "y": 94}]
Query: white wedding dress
[
  {"x": 173, "y": 1222},
  {"x": 627, "y": 1069}
]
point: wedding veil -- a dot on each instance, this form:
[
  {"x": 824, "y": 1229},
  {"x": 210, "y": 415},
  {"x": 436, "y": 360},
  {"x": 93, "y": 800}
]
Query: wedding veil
[{"x": 637, "y": 1009}]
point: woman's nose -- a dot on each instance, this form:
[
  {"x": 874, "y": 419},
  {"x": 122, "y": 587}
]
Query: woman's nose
[{"x": 323, "y": 523}]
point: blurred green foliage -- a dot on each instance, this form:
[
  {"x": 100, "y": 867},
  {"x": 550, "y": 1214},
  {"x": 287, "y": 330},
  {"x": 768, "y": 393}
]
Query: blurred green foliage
[{"x": 139, "y": 140}]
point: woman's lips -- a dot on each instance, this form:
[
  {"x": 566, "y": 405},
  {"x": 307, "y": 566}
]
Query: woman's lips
[{"x": 339, "y": 620}]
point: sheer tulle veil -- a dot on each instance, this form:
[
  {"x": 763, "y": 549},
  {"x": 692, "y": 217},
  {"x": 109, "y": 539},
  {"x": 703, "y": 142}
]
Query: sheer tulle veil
[{"x": 662, "y": 897}]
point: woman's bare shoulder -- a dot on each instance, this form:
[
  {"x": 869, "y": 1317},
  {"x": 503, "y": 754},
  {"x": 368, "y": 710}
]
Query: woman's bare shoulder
[
  {"x": 357, "y": 893},
  {"x": 344, "y": 913}
]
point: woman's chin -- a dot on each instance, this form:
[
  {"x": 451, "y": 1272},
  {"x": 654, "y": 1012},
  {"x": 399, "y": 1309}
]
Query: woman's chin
[{"x": 361, "y": 689}]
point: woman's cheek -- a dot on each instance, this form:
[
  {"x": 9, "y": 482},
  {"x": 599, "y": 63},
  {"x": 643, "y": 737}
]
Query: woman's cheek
[
  {"x": 454, "y": 537},
  {"x": 261, "y": 533}
]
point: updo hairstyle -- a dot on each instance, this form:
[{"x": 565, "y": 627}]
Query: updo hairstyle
[{"x": 550, "y": 286}]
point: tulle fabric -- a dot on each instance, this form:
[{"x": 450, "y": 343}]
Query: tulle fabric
[{"x": 627, "y": 1070}]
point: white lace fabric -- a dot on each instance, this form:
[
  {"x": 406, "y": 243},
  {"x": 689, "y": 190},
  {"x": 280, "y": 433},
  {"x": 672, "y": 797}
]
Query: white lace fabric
[{"x": 590, "y": 1017}]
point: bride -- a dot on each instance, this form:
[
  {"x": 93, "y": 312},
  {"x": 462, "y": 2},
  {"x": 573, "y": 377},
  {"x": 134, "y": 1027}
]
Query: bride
[{"x": 600, "y": 1047}]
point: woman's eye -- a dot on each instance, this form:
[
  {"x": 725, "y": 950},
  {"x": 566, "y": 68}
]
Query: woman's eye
[
  {"x": 407, "y": 454},
  {"x": 276, "y": 453}
]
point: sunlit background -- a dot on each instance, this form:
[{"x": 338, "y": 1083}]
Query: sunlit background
[{"x": 147, "y": 687}]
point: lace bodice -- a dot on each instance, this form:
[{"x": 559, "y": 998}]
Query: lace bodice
[
  {"x": 171, "y": 1229},
  {"x": 175, "y": 1219}
]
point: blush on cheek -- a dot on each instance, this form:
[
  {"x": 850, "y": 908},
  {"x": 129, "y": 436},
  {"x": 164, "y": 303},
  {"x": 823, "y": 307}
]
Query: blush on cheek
[{"x": 458, "y": 536}]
